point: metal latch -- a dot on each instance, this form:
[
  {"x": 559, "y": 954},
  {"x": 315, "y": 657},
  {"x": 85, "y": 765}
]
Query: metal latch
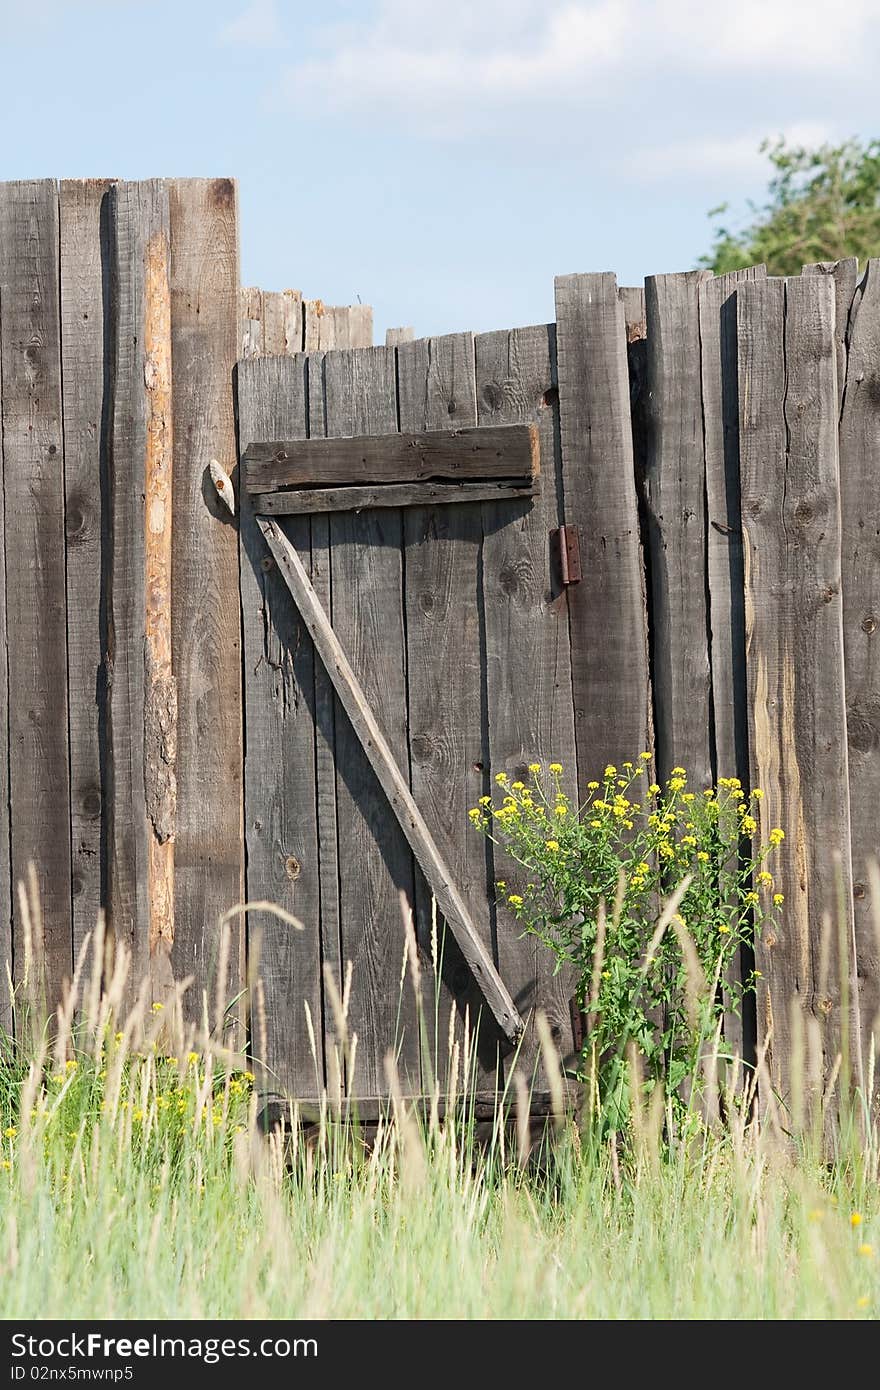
[{"x": 566, "y": 542}]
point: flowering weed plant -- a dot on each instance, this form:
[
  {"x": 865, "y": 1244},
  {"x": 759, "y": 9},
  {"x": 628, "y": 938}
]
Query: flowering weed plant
[{"x": 591, "y": 883}]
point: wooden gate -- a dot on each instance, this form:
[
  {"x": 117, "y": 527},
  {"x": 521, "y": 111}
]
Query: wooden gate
[{"x": 456, "y": 622}]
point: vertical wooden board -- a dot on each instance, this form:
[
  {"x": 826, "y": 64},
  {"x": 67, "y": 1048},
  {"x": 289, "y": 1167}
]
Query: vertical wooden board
[
  {"x": 139, "y": 253},
  {"x": 282, "y": 323},
  {"x": 845, "y": 275},
  {"x": 790, "y": 509},
  {"x": 36, "y": 617},
  {"x": 528, "y": 654},
  {"x": 632, "y": 297},
  {"x": 676, "y": 523},
  {"x": 717, "y": 308},
  {"x": 325, "y": 721},
  {"x": 444, "y": 641},
  {"x": 394, "y": 337},
  {"x": 84, "y": 307},
  {"x": 250, "y": 328},
  {"x": 280, "y": 813},
  {"x": 360, "y": 395},
  {"x": 205, "y": 605},
  {"x": 609, "y": 633},
  {"x": 860, "y": 513},
  {"x": 328, "y": 326}
]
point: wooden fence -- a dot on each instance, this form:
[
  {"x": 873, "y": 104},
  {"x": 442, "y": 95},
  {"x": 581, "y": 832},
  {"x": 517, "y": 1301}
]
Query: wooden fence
[{"x": 712, "y": 442}]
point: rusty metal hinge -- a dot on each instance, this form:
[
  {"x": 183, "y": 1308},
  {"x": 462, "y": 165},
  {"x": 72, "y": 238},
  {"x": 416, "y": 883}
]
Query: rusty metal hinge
[{"x": 566, "y": 541}]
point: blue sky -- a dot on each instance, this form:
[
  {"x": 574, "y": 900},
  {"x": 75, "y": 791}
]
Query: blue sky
[{"x": 440, "y": 159}]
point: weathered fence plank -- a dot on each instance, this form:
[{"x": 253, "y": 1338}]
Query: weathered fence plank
[
  {"x": 280, "y": 795},
  {"x": 860, "y": 517},
  {"x": 140, "y": 798},
  {"x": 336, "y": 326},
  {"x": 460, "y": 454},
  {"x": 282, "y": 322},
  {"x": 394, "y": 337},
  {"x": 528, "y": 656},
  {"x": 676, "y": 516},
  {"x": 607, "y": 613},
  {"x": 790, "y": 509},
  {"x": 845, "y": 275},
  {"x": 360, "y": 395},
  {"x": 36, "y": 619},
  {"x": 206, "y": 634},
  {"x": 718, "y": 375},
  {"x": 393, "y": 782},
  {"x": 632, "y": 297},
  {"x": 84, "y": 311},
  {"x": 447, "y": 735}
]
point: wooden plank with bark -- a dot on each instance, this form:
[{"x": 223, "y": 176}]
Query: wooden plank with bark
[
  {"x": 448, "y": 738},
  {"x": 375, "y": 862},
  {"x": 607, "y": 613},
  {"x": 459, "y": 455},
  {"x": 36, "y": 617},
  {"x": 394, "y": 784},
  {"x": 790, "y": 511},
  {"x": 676, "y": 523},
  {"x": 84, "y": 229},
  {"x": 205, "y": 606},
  {"x": 141, "y": 705},
  {"x": 528, "y": 655},
  {"x": 859, "y": 443},
  {"x": 283, "y": 864}
]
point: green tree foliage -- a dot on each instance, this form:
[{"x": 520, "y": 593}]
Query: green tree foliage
[{"x": 823, "y": 205}]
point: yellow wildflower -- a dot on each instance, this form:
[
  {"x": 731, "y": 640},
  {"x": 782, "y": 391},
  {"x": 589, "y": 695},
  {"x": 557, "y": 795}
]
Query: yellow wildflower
[
  {"x": 70, "y": 1065},
  {"x": 778, "y": 899},
  {"x": 679, "y": 772},
  {"x": 556, "y": 768},
  {"x": 855, "y": 1220},
  {"x": 534, "y": 767},
  {"x": 515, "y": 900},
  {"x": 866, "y": 1250},
  {"x": 519, "y": 786},
  {"x": 702, "y": 856},
  {"x": 757, "y": 793},
  {"x": 646, "y": 756},
  {"x": 11, "y": 1132},
  {"x": 776, "y": 836},
  {"x": 863, "y": 1302},
  {"x": 485, "y": 801},
  {"x": 501, "y": 883},
  {"x": 552, "y": 845},
  {"x": 192, "y": 1058},
  {"x": 751, "y": 898},
  {"x": 596, "y": 824},
  {"x": 561, "y": 811},
  {"x": 157, "y": 1007},
  {"x": 765, "y": 878},
  {"x": 593, "y": 786},
  {"x": 654, "y": 789},
  {"x": 501, "y": 778},
  {"x": 675, "y": 784}
]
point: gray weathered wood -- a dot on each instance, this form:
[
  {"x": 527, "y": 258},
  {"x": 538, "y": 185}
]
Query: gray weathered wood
[
  {"x": 250, "y": 327},
  {"x": 325, "y": 728},
  {"x": 845, "y": 275},
  {"x": 282, "y": 322},
  {"x": 445, "y": 678},
  {"x": 36, "y": 620},
  {"x": 676, "y": 519},
  {"x": 394, "y": 337},
  {"x": 392, "y": 780},
  {"x": 206, "y": 633},
  {"x": 790, "y": 509},
  {"x": 7, "y": 963},
  {"x": 280, "y": 798},
  {"x": 632, "y": 297},
  {"x": 84, "y": 266},
  {"x": 609, "y": 631},
  {"x": 462, "y": 455},
  {"x": 336, "y": 326},
  {"x": 528, "y": 655},
  {"x": 304, "y": 501},
  {"x": 860, "y": 547},
  {"x": 717, "y": 307},
  {"x": 139, "y": 247},
  {"x": 375, "y": 862}
]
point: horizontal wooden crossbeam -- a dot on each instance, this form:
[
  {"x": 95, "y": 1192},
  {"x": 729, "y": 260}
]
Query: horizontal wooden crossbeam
[
  {"x": 508, "y": 453},
  {"x": 302, "y": 501}
]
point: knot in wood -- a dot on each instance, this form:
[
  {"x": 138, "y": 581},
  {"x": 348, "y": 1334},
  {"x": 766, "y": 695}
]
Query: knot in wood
[
  {"x": 869, "y": 624},
  {"x": 493, "y": 395},
  {"x": 292, "y": 867}
]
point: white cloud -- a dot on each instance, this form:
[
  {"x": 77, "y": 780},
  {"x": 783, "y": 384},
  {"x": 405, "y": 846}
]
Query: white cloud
[
  {"x": 258, "y": 26},
  {"x": 736, "y": 155},
  {"x": 415, "y": 57}
]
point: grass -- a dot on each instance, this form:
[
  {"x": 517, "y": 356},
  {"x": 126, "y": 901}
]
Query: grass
[{"x": 134, "y": 1184}]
